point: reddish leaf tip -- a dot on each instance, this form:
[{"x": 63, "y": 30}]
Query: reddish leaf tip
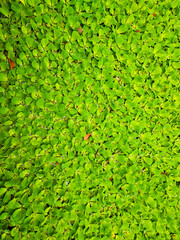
[
  {"x": 87, "y": 136},
  {"x": 80, "y": 30},
  {"x": 11, "y": 63}
]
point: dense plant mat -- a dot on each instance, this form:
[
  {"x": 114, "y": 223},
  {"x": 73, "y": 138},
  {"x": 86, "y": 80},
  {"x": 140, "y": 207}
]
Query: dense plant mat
[{"x": 89, "y": 119}]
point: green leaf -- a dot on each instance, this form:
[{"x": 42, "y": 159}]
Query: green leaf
[
  {"x": 24, "y": 173},
  {"x": 105, "y": 227},
  {"x": 176, "y": 65},
  {"x": 130, "y": 178},
  {"x": 28, "y": 100},
  {"x": 5, "y": 9},
  {"x": 174, "y": 4},
  {"x": 47, "y": 19},
  {"x": 39, "y": 218},
  {"x": 171, "y": 212},
  {"x": 61, "y": 226},
  {"x": 2, "y": 89},
  {"x": 159, "y": 227},
  {"x": 8, "y": 174},
  {"x": 44, "y": 42},
  {"x": 15, "y": 100},
  {"x": 134, "y": 7},
  {"x": 24, "y": 30},
  {"x": 13, "y": 204},
  {"x": 2, "y": 191},
  {"x": 74, "y": 215},
  {"x": 39, "y": 9},
  {"x": 75, "y": 36},
  {"x": 130, "y": 19},
  {"x": 40, "y": 103},
  {"x": 3, "y": 77},
  {"x": 30, "y": 42},
  {"x": 151, "y": 202},
  {"x": 3, "y": 216},
  {"x": 2, "y": 100},
  {"x": 149, "y": 161},
  {"x": 16, "y": 7},
  {"x": 24, "y": 182},
  {"x": 8, "y": 123},
  {"x": 146, "y": 137},
  {"x": 22, "y": 2},
  {"x": 46, "y": 61},
  {"x": 14, "y": 231},
  {"x": 157, "y": 48},
  {"x": 64, "y": 54},
  {"x": 33, "y": 3},
  {"x": 123, "y": 28},
  {"x": 80, "y": 234},
  {"x": 14, "y": 141},
  {"x": 148, "y": 224},
  {"x": 35, "y": 64},
  {"x": 18, "y": 215},
  {"x": 157, "y": 70},
  {"x": 48, "y": 2},
  {"x": 4, "y": 110}
]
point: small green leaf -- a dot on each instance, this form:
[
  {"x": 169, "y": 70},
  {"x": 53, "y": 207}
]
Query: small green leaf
[
  {"x": 80, "y": 234},
  {"x": 4, "y": 215},
  {"x": 35, "y": 64},
  {"x": 39, "y": 218},
  {"x": 15, "y": 7},
  {"x": 22, "y": 2},
  {"x": 148, "y": 224},
  {"x": 15, "y": 100},
  {"x": 157, "y": 70},
  {"x": 3, "y": 110},
  {"x": 8, "y": 123},
  {"x": 48, "y": 2},
  {"x": 2, "y": 89},
  {"x": 134, "y": 7},
  {"x": 130, "y": 19},
  {"x": 28, "y": 100},
  {"x": 13, "y": 204},
  {"x": 14, "y": 231},
  {"x": 40, "y": 103},
  {"x": 176, "y": 65},
  {"x": 123, "y": 28},
  {"x": 5, "y": 9},
  {"x": 44, "y": 42},
  {"x": 46, "y": 18},
  {"x": 46, "y": 61},
  {"x": 18, "y": 215},
  {"x": 64, "y": 54},
  {"x": 24, "y": 29},
  {"x": 130, "y": 178},
  {"x": 3, "y": 77},
  {"x": 2, "y": 191},
  {"x": 75, "y": 36}
]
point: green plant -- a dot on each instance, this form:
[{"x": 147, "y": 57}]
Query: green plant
[{"x": 89, "y": 104}]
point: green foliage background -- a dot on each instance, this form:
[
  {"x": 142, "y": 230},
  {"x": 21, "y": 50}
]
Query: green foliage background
[{"x": 119, "y": 80}]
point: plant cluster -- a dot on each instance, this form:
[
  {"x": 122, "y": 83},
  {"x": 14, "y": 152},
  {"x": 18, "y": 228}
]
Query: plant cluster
[{"x": 89, "y": 109}]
